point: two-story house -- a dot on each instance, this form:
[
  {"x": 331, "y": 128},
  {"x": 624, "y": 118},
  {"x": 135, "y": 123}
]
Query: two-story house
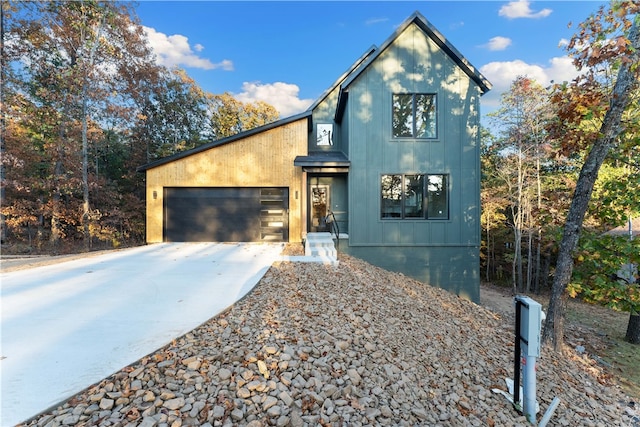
[{"x": 391, "y": 149}]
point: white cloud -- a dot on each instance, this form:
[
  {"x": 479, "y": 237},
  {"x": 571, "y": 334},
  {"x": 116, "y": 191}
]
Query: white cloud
[
  {"x": 498, "y": 43},
  {"x": 283, "y": 96},
  {"x": 502, "y": 74},
  {"x": 521, "y": 9},
  {"x": 174, "y": 50}
]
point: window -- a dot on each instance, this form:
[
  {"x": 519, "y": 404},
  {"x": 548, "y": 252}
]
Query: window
[
  {"x": 324, "y": 134},
  {"x": 414, "y": 115},
  {"x": 416, "y": 196}
]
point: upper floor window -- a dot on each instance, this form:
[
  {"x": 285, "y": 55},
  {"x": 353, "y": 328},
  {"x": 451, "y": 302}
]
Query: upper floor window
[
  {"x": 324, "y": 135},
  {"x": 414, "y": 115},
  {"x": 415, "y": 196}
]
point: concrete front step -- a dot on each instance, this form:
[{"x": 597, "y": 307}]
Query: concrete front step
[
  {"x": 320, "y": 245},
  {"x": 322, "y": 253}
]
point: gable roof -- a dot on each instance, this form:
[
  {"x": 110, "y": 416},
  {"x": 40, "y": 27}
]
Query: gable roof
[
  {"x": 439, "y": 39},
  {"x": 418, "y": 19}
]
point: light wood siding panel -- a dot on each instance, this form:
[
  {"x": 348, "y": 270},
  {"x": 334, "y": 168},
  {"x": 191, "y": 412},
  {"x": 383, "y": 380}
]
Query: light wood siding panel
[
  {"x": 413, "y": 64},
  {"x": 261, "y": 160}
]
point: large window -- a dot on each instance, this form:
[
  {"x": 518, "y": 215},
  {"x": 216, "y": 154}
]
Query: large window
[
  {"x": 416, "y": 196},
  {"x": 414, "y": 115}
]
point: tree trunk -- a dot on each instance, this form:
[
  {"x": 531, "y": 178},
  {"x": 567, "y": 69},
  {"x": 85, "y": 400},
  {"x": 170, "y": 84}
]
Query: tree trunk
[
  {"x": 544, "y": 275},
  {"x": 633, "y": 329},
  {"x": 86, "y": 208},
  {"x": 538, "y": 269},
  {"x": 488, "y": 266},
  {"x": 85, "y": 175},
  {"x": 529, "y": 261},
  {"x": 554, "y": 325},
  {"x": 536, "y": 285},
  {"x": 517, "y": 238},
  {"x": 56, "y": 191},
  {"x": 3, "y": 230},
  {"x": 520, "y": 221},
  {"x": 54, "y": 238}
]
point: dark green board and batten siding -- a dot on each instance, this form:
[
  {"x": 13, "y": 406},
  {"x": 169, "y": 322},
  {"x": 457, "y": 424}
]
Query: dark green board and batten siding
[
  {"x": 444, "y": 253},
  {"x": 455, "y": 269}
]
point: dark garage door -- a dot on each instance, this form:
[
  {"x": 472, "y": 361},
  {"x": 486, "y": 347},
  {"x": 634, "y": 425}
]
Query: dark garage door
[{"x": 226, "y": 214}]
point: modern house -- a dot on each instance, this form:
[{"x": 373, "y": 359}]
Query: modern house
[{"x": 391, "y": 149}]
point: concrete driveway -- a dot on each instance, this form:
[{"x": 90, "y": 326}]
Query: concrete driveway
[{"x": 67, "y": 326}]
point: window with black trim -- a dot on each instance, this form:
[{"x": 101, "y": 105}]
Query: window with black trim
[
  {"x": 414, "y": 196},
  {"x": 414, "y": 115}
]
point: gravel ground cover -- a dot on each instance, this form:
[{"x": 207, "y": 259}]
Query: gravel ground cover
[{"x": 352, "y": 345}]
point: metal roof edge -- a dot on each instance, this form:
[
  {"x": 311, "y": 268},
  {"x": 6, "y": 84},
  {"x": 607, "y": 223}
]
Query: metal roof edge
[
  {"x": 224, "y": 141},
  {"x": 343, "y": 96},
  {"x": 343, "y": 76},
  {"x": 323, "y": 159}
]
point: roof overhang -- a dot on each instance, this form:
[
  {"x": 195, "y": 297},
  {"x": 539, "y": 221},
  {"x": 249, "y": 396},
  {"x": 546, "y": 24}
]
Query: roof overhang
[
  {"x": 213, "y": 144},
  {"x": 327, "y": 162}
]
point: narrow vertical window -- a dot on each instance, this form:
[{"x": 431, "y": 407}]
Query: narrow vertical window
[
  {"x": 402, "y": 116},
  {"x": 414, "y": 196},
  {"x": 437, "y": 203},
  {"x": 425, "y": 108},
  {"x": 391, "y": 193}
]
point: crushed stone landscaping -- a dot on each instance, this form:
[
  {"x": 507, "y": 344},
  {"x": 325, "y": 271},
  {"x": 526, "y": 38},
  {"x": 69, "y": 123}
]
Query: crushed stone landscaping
[{"x": 346, "y": 345}]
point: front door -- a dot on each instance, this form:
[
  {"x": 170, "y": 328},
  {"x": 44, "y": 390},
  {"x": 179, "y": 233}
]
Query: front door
[{"x": 320, "y": 203}]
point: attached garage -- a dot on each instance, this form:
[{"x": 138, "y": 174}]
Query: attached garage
[
  {"x": 226, "y": 214},
  {"x": 245, "y": 188}
]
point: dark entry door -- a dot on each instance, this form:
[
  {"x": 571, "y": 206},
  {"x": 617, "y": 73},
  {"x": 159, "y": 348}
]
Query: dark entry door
[{"x": 226, "y": 214}]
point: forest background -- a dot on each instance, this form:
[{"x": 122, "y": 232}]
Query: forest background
[{"x": 84, "y": 103}]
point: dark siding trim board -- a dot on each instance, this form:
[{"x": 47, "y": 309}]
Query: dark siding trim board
[{"x": 343, "y": 97}]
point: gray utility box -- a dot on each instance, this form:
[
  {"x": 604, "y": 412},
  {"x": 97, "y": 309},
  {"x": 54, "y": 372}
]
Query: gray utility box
[{"x": 530, "y": 325}]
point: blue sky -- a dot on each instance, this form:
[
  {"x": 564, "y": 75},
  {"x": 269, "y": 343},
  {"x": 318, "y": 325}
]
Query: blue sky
[{"x": 288, "y": 53}]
